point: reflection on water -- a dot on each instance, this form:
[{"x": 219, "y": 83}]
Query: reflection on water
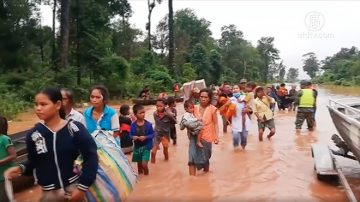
[{"x": 276, "y": 170}]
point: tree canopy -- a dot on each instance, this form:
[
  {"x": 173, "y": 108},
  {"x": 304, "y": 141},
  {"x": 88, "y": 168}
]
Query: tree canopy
[{"x": 95, "y": 43}]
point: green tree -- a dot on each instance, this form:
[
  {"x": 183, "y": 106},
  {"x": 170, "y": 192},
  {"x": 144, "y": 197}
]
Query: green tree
[
  {"x": 282, "y": 71},
  {"x": 200, "y": 61},
  {"x": 171, "y": 58},
  {"x": 188, "y": 73},
  {"x": 292, "y": 75},
  {"x": 311, "y": 64},
  {"x": 230, "y": 36},
  {"x": 216, "y": 66},
  {"x": 64, "y": 33},
  {"x": 238, "y": 54},
  {"x": 124, "y": 40},
  {"x": 189, "y": 30},
  {"x": 269, "y": 54},
  {"x": 17, "y": 25},
  {"x": 151, "y": 6}
]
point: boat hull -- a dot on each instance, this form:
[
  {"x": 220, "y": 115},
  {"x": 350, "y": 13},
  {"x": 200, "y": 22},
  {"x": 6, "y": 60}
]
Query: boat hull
[{"x": 346, "y": 121}]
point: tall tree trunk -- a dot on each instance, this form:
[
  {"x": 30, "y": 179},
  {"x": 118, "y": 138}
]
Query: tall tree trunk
[
  {"x": 53, "y": 53},
  {"x": 148, "y": 26},
  {"x": 171, "y": 39},
  {"x": 244, "y": 74},
  {"x": 41, "y": 45},
  {"x": 64, "y": 33},
  {"x": 78, "y": 69}
]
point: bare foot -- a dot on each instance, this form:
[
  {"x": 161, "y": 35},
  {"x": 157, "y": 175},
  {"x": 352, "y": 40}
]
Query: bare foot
[{"x": 199, "y": 144}]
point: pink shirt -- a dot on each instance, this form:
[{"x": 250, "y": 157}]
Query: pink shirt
[{"x": 208, "y": 132}]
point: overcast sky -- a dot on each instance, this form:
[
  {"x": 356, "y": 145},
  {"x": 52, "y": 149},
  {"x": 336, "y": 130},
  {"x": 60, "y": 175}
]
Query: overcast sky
[{"x": 299, "y": 27}]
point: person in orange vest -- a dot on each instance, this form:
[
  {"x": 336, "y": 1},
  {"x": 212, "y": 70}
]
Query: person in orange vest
[
  {"x": 176, "y": 89},
  {"x": 282, "y": 94}
]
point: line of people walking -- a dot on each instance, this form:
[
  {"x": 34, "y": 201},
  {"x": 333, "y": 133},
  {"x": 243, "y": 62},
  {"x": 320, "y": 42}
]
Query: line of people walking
[{"x": 64, "y": 134}]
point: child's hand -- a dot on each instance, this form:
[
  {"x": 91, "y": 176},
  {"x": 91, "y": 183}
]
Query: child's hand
[
  {"x": 142, "y": 138},
  {"x": 135, "y": 138},
  {"x": 12, "y": 172}
]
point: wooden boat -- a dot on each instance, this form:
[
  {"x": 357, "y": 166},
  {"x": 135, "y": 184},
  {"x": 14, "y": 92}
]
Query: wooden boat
[
  {"x": 18, "y": 140},
  {"x": 345, "y": 114}
]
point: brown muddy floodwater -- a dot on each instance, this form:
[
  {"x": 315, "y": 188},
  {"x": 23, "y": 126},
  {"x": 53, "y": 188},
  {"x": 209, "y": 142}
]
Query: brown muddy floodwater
[{"x": 276, "y": 170}]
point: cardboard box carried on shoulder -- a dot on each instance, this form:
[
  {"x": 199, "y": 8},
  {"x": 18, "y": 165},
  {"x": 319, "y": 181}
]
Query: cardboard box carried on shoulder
[{"x": 200, "y": 84}]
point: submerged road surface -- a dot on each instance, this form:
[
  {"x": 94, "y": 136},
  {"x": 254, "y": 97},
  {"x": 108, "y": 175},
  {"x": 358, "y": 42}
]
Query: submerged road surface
[{"x": 276, "y": 170}]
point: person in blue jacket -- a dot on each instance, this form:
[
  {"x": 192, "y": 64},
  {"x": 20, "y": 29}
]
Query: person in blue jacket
[
  {"x": 53, "y": 145},
  {"x": 142, "y": 133},
  {"x": 100, "y": 116}
]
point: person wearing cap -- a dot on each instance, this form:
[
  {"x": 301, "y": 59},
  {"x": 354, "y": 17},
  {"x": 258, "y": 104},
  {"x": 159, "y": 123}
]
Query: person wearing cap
[
  {"x": 195, "y": 95},
  {"x": 306, "y": 102},
  {"x": 243, "y": 83}
]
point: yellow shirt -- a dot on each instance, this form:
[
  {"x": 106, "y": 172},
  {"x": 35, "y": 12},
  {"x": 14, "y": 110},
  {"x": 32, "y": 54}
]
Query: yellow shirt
[
  {"x": 262, "y": 107},
  {"x": 249, "y": 99}
]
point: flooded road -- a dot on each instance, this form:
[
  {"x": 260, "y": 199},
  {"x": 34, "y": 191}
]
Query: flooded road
[{"x": 276, "y": 170}]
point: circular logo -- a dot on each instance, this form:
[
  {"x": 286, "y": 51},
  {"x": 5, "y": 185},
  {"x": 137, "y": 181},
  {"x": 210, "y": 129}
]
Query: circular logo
[{"x": 314, "y": 21}]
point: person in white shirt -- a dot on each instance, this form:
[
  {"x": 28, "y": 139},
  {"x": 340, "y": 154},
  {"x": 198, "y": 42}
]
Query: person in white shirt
[
  {"x": 239, "y": 127},
  {"x": 67, "y": 104}
]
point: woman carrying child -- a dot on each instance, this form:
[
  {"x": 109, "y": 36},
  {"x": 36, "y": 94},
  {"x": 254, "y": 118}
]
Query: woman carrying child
[
  {"x": 241, "y": 118},
  {"x": 194, "y": 127},
  {"x": 210, "y": 132}
]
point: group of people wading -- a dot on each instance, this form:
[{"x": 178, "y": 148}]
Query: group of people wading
[{"x": 63, "y": 134}]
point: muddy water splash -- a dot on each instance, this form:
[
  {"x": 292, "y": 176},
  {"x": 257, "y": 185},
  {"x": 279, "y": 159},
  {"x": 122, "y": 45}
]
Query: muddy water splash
[{"x": 276, "y": 170}]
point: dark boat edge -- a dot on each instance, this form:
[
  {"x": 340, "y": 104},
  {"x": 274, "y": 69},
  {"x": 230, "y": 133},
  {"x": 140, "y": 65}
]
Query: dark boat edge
[{"x": 339, "y": 122}]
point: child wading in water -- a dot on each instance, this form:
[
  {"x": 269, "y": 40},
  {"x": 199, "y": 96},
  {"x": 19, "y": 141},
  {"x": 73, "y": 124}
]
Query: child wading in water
[
  {"x": 263, "y": 113},
  {"x": 125, "y": 122},
  {"x": 52, "y": 147},
  {"x": 142, "y": 133},
  {"x": 163, "y": 121},
  {"x": 171, "y": 107},
  {"x": 7, "y": 155},
  {"x": 191, "y": 123}
]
